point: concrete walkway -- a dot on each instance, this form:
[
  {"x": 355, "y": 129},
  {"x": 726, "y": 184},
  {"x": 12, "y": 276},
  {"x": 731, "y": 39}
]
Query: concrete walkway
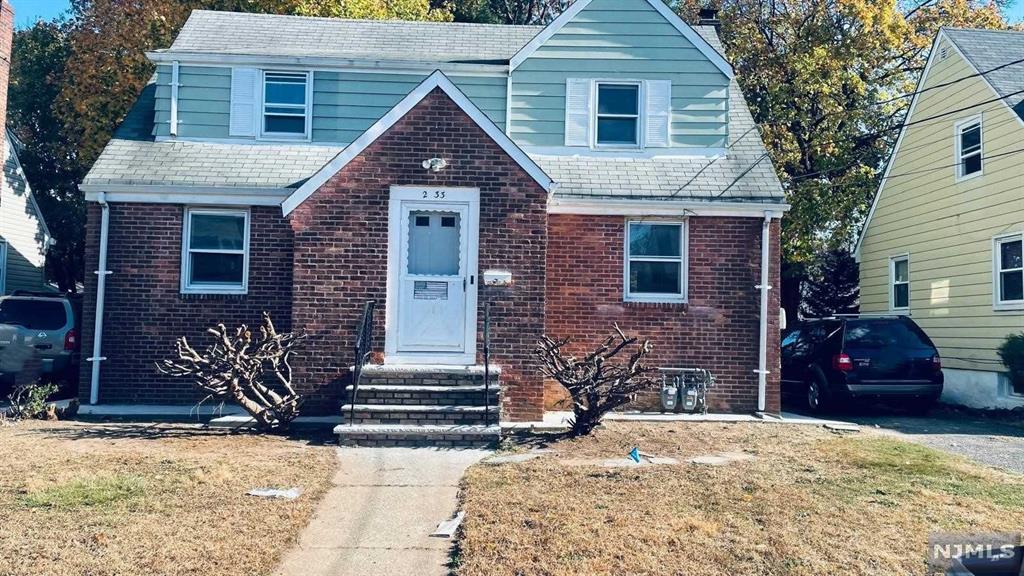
[{"x": 377, "y": 518}]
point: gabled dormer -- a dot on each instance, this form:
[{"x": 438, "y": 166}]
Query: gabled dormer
[{"x": 619, "y": 76}]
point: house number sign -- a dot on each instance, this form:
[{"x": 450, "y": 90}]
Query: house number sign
[{"x": 435, "y": 195}]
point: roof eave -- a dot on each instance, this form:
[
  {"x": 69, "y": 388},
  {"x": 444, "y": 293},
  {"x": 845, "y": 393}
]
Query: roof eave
[{"x": 229, "y": 59}]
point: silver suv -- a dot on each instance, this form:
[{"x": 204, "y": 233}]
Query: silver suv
[{"x": 40, "y": 334}]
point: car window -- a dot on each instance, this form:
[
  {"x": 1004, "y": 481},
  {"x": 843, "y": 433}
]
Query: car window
[
  {"x": 790, "y": 338},
  {"x": 885, "y": 334},
  {"x": 33, "y": 314}
]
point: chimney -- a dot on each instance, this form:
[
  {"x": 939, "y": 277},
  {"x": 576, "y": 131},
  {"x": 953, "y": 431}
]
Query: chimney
[
  {"x": 709, "y": 17},
  {"x": 6, "y": 39}
]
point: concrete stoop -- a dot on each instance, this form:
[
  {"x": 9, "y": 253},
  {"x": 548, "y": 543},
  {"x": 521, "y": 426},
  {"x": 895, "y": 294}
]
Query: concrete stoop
[{"x": 422, "y": 405}]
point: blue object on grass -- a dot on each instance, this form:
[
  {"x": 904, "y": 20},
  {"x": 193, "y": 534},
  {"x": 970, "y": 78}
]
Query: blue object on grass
[{"x": 635, "y": 455}]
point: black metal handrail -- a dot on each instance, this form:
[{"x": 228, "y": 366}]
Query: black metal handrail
[
  {"x": 487, "y": 364},
  {"x": 363, "y": 350}
]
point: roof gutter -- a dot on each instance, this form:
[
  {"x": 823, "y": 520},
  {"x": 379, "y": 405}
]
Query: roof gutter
[
  {"x": 101, "y": 285},
  {"x": 185, "y": 58}
]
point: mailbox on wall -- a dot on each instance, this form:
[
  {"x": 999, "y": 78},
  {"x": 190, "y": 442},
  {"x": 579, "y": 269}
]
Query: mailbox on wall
[{"x": 497, "y": 278}]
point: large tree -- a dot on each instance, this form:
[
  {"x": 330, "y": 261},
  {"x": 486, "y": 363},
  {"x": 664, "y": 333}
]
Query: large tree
[{"x": 823, "y": 80}]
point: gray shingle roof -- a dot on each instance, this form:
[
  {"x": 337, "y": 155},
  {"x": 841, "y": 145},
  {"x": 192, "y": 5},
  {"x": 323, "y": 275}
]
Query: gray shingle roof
[
  {"x": 988, "y": 49},
  {"x": 134, "y": 158},
  {"x": 237, "y": 33}
]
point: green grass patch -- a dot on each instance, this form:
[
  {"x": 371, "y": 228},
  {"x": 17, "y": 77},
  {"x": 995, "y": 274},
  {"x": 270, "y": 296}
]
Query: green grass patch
[
  {"x": 98, "y": 491},
  {"x": 892, "y": 468}
]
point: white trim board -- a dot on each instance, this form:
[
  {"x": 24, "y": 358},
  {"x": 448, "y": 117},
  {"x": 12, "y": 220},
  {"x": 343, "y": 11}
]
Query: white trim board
[
  {"x": 205, "y": 195},
  {"x": 323, "y": 63},
  {"x": 579, "y": 5},
  {"x": 634, "y": 207},
  {"x": 435, "y": 80},
  {"x": 932, "y": 55}
]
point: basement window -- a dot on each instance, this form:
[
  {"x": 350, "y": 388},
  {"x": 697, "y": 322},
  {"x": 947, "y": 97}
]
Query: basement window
[
  {"x": 655, "y": 261},
  {"x": 215, "y": 252}
]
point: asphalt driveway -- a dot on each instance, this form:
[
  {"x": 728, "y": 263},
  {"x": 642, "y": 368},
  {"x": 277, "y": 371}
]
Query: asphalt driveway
[{"x": 988, "y": 441}]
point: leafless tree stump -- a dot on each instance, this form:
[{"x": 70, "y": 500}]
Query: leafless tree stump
[
  {"x": 235, "y": 366},
  {"x": 597, "y": 383}
]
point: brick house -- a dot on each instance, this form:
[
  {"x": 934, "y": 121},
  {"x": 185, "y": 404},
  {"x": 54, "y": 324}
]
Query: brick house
[{"x": 604, "y": 168}]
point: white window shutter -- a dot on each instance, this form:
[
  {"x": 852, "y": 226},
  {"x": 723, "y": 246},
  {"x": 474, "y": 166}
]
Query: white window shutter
[
  {"x": 577, "y": 112},
  {"x": 245, "y": 99},
  {"x": 658, "y": 111}
]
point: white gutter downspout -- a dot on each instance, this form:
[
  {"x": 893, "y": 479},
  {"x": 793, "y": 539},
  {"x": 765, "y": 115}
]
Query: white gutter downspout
[
  {"x": 101, "y": 284},
  {"x": 764, "y": 287},
  {"x": 174, "y": 98}
]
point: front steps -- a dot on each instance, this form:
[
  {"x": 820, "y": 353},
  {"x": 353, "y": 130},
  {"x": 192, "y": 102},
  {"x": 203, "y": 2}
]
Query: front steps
[{"x": 421, "y": 405}]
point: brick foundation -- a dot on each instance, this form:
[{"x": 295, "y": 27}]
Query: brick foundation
[{"x": 717, "y": 329}]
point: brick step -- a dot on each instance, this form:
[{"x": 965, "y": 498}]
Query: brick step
[
  {"x": 422, "y": 435},
  {"x": 434, "y": 414},
  {"x": 407, "y": 394},
  {"x": 426, "y": 375}
]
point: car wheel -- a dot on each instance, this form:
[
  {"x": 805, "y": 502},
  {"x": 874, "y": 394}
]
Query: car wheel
[{"x": 817, "y": 399}]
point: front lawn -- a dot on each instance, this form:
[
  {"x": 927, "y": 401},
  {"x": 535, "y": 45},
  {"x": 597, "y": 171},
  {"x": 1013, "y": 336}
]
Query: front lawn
[
  {"x": 106, "y": 499},
  {"x": 811, "y": 502}
]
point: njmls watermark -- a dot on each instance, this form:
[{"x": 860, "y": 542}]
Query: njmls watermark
[{"x": 977, "y": 554}]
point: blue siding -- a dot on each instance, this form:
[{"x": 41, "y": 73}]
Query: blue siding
[
  {"x": 345, "y": 104},
  {"x": 613, "y": 39}
]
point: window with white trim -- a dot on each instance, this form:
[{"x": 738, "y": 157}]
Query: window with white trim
[
  {"x": 1009, "y": 270},
  {"x": 899, "y": 283},
  {"x": 285, "y": 104},
  {"x": 656, "y": 264},
  {"x": 968, "y": 148},
  {"x": 618, "y": 114},
  {"x": 215, "y": 251}
]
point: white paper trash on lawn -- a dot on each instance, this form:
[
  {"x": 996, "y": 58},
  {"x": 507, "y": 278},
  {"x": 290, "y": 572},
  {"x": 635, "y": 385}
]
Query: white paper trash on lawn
[{"x": 289, "y": 494}]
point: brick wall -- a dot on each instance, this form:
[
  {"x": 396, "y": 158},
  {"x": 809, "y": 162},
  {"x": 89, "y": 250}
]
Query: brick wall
[
  {"x": 717, "y": 329},
  {"x": 341, "y": 247},
  {"x": 145, "y": 311}
]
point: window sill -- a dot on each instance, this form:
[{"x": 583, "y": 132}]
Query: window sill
[
  {"x": 969, "y": 177},
  {"x": 198, "y": 295},
  {"x": 1009, "y": 307},
  {"x": 900, "y": 311},
  {"x": 664, "y": 304}
]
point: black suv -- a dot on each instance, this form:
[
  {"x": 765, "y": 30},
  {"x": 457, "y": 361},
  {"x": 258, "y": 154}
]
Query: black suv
[{"x": 833, "y": 361}]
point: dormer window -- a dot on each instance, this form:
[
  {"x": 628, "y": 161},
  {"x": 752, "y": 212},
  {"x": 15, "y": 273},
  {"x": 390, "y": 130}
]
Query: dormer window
[
  {"x": 285, "y": 105},
  {"x": 618, "y": 114}
]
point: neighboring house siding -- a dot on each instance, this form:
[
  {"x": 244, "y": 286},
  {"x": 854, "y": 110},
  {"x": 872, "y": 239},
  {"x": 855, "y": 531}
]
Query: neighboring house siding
[
  {"x": 345, "y": 104},
  {"x": 947, "y": 226},
  {"x": 620, "y": 39},
  {"x": 22, "y": 229},
  {"x": 717, "y": 329}
]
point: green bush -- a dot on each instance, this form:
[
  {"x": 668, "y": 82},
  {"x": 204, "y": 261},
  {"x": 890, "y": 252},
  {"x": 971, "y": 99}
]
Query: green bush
[{"x": 1012, "y": 354}]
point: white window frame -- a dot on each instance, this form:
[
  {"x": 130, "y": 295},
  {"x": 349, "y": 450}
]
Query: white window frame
[
  {"x": 997, "y": 301},
  {"x": 641, "y": 113},
  {"x": 892, "y": 282},
  {"x": 683, "y": 259},
  {"x": 3, "y": 267},
  {"x": 958, "y": 129},
  {"x": 186, "y": 272},
  {"x": 307, "y": 135}
]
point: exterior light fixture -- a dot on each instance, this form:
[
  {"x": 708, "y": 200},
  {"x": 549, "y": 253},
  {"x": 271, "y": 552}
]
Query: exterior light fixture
[{"x": 435, "y": 164}]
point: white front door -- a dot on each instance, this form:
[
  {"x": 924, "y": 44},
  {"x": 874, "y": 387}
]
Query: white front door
[{"x": 433, "y": 291}]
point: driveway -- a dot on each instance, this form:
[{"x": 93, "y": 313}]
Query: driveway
[{"x": 987, "y": 441}]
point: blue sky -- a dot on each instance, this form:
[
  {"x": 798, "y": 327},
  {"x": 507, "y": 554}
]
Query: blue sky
[{"x": 28, "y": 11}]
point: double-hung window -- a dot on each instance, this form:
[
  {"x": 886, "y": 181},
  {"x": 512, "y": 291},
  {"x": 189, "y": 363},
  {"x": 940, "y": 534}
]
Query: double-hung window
[
  {"x": 655, "y": 261},
  {"x": 618, "y": 114},
  {"x": 285, "y": 105},
  {"x": 899, "y": 283},
  {"x": 968, "y": 148},
  {"x": 215, "y": 252},
  {"x": 1008, "y": 282}
]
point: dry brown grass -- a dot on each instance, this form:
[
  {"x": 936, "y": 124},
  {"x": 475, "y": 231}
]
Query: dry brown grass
[
  {"x": 93, "y": 499},
  {"x": 811, "y": 503}
]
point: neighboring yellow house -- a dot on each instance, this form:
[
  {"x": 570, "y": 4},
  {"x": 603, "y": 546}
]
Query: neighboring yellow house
[{"x": 943, "y": 240}]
